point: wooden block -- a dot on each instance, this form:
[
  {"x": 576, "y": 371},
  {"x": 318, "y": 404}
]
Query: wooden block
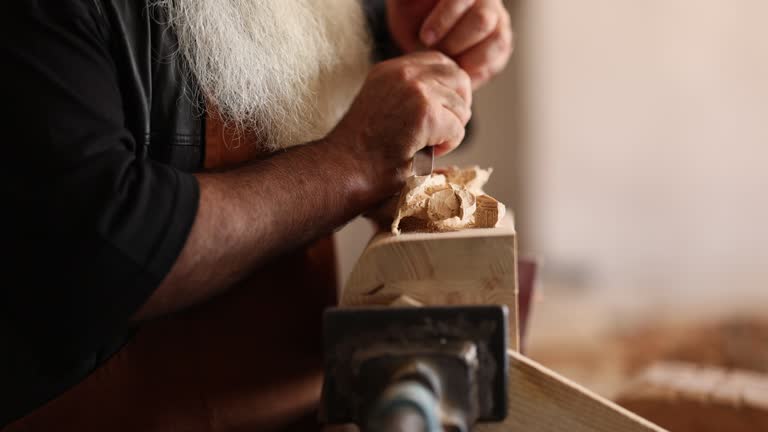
[
  {"x": 479, "y": 266},
  {"x": 469, "y": 267},
  {"x": 540, "y": 400},
  {"x": 687, "y": 397}
]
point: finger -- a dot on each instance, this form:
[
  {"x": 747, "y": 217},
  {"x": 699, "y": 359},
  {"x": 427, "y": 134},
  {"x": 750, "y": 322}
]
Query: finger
[
  {"x": 442, "y": 18},
  {"x": 453, "y": 102},
  {"x": 448, "y": 132},
  {"x": 455, "y": 78},
  {"x": 444, "y": 148},
  {"x": 427, "y": 57},
  {"x": 487, "y": 58},
  {"x": 477, "y": 24}
]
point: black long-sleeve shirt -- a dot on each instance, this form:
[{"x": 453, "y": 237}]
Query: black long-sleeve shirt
[{"x": 90, "y": 229}]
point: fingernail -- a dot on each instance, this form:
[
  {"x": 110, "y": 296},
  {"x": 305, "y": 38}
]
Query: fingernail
[{"x": 428, "y": 37}]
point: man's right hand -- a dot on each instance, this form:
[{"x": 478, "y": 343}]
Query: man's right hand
[
  {"x": 407, "y": 103},
  {"x": 257, "y": 211}
]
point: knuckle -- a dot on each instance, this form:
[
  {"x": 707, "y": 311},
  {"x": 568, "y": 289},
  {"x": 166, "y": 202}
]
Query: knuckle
[
  {"x": 405, "y": 72},
  {"x": 485, "y": 19},
  {"x": 505, "y": 17},
  {"x": 465, "y": 82},
  {"x": 505, "y": 37},
  {"x": 500, "y": 58},
  {"x": 445, "y": 69},
  {"x": 418, "y": 89},
  {"x": 438, "y": 57},
  {"x": 509, "y": 40},
  {"x": 451, "y": 70},
  {"x": 505, "y": 43},
  {"x": 422, "y": 109}
]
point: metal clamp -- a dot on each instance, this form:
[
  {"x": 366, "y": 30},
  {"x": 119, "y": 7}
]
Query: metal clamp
[{"x": 437, "y": 367}]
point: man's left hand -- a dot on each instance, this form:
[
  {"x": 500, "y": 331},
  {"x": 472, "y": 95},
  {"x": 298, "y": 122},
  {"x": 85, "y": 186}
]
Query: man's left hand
[{"x": 477, "y": 34}]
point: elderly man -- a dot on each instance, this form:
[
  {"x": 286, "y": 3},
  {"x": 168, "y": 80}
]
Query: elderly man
[{"x": 173, "y": 171}]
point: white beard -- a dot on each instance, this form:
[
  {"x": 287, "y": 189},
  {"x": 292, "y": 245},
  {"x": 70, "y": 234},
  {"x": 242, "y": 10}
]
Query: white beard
[{"x": 284, "y": 71}]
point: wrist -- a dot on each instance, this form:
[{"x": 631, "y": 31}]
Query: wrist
[{"x": 356, "y": 178}]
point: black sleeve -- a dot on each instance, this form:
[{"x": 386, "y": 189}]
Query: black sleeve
[
  {"x": 384, "y": 46},
  {"x": 91, "y": 229}
]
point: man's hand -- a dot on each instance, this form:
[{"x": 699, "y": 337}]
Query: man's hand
[
  {"x": 407, "y": 103},
  {"x": 475, "y": 33},
  {"x": 255, "y": 212}
]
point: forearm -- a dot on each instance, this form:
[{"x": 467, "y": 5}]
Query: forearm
[
  {"x": 258, "y": 211},
  {"x": 250, "y": 214}
]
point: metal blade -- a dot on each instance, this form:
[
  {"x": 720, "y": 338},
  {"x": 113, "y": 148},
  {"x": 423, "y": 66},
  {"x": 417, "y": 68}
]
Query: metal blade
[{"x": 424, "y": 161}]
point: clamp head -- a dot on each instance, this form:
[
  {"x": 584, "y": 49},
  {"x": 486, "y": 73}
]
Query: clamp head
[{"x": 458, "y": 354}]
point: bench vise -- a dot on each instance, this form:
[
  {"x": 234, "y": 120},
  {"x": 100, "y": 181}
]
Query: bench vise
[{"x": 415, "y": 368}]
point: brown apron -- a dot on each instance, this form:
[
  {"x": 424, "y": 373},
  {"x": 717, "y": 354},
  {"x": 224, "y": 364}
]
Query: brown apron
[{"x": 249, "y": 360}]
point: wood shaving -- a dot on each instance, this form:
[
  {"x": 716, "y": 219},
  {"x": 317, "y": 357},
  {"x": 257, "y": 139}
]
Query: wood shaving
[{"x": 448, "y": 201}]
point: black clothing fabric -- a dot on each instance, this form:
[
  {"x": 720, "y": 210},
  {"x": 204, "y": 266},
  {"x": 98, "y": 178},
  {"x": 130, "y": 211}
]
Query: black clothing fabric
[
  {"x": 384, "y": 47},
  {"x": 101, "y": 132},
  {"x": 99, "y": 137}
]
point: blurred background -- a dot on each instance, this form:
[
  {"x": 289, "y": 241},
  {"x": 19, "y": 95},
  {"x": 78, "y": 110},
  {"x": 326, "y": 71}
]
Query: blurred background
[{"x": 630, "y": 139}]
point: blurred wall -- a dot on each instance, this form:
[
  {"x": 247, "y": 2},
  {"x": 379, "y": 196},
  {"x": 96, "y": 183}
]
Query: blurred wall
[
  {"x": 631, "y": 140},
  {"x": 646, "y": 134}
]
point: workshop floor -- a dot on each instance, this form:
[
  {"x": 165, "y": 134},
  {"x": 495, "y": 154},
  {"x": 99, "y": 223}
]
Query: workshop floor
[{"x": 601, "y": 342}]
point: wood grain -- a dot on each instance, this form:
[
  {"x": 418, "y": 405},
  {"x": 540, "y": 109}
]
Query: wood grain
[
  {"x": 541, "y": 400},
  {"x": 479, "y": 266},
  {"x": 474, "y": 266}
]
